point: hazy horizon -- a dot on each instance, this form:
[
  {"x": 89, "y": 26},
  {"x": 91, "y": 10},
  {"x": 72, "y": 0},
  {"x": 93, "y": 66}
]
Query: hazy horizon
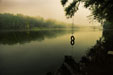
[{"x": 49, "y": 9}]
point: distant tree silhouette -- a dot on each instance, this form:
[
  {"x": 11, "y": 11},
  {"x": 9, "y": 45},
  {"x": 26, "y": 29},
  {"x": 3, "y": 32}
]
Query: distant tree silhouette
[{"x": 21, "y": 22}]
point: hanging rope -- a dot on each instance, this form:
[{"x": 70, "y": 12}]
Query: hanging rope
[
  {"x": 72, "y": 37},
  {"x": 72, "y": 42},
  {"x": 72, "y": 25}
]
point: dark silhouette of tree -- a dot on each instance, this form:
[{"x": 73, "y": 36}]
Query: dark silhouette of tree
[
  {"x": 97, "y": 61},
  {"x": 101, "y": 9}
]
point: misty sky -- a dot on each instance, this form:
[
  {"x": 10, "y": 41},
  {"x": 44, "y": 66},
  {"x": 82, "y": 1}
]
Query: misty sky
[{"x": 44, "y": 8}]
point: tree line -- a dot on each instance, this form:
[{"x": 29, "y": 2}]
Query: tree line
[{"x": 21, "y": 22}]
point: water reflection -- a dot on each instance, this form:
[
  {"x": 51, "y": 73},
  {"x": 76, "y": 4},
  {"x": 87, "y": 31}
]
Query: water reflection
[
  {"x": 40, "y": 57},
  {"x": 97, "y": 61},
  {"x": 21, "y": 37}
]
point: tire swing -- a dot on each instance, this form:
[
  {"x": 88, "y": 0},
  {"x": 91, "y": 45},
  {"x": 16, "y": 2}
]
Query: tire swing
[{"x": 72, "y": 42}]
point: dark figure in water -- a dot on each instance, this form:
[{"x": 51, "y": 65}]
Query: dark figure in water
[{"x": 69, "y": 67}]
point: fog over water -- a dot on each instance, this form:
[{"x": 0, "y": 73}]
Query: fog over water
[{"x": 45, "y": 8}]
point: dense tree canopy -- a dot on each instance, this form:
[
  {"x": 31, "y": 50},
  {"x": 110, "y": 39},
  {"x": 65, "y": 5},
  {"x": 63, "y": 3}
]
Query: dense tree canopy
[
  {"x": 21, "y": 22},
  {"x": 101, "y": 9}
]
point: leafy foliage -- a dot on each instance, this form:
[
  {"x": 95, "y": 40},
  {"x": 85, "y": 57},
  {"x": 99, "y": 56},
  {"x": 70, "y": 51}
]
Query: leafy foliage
[
  {"x": 72, "y": 8},
  {"x": 101, "y": 9},
  {"x": 64, "y": 2}
]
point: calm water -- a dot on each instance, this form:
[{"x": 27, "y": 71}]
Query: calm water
[{"x": 39, "y": 52}]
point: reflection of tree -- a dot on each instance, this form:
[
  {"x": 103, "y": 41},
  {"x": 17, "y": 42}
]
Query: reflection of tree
[
  {"x": 21, "y": 37},
  {"x": 100, "y": 56},
  {"x": 69, "y": 67},
  {"x": 98, "y": 60}
]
